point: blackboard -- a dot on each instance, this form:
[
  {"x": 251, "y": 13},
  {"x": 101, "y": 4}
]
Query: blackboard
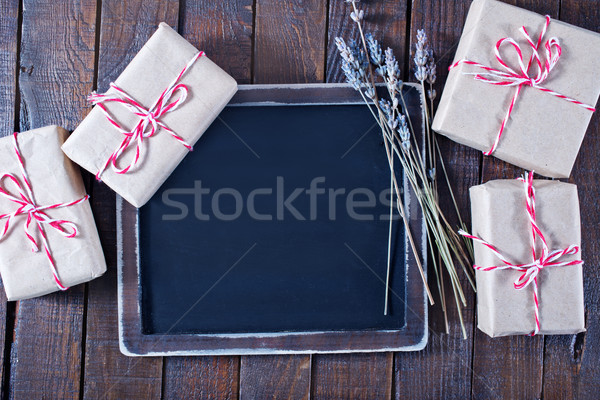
[{"x": 276, "y": 225}]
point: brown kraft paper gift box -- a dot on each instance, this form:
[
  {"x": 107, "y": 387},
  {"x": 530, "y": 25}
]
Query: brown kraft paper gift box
[
  {"x": 54, "y": 179},
  {"x": 151, "y": 71},
  {"x": 544, "y": 132},
  {"x": 499, "y": 217}
]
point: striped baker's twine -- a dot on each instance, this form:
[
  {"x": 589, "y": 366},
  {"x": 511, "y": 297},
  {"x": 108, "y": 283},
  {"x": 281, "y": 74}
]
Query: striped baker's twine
[
  {"x": 149, "y": 122},
  {"x": 27, "y": 206},
  {"x": 510, "y": 77},
  {"x": 530, "y": 270}
]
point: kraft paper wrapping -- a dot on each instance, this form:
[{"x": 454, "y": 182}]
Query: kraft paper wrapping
[
  {"x": 544, "y": 133},
  {"x": 54, "y": 179},
  {"x": 499, "y": 217},
  {"x": 157, "y": 64}
]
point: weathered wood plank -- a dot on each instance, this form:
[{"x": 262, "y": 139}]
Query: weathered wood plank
[
  {"x": 279, "y": 377},
  {"x": 385, "y": 19},
  {"x": 352, "y": 376},
  {"x": 495, "y": 375},
  {"x": 289, "y": 43},
  {"x": 224, "y": 31},
  {"x": 201, "y": 378},
  {"x": 571, "y": 370},
  {"x": 289, "y": 47},
  {"x": 56, "y": 72},
  {"x": 447, "y": 357},
  {"x": 124, "y": 28},
  {"x": 8, "y": 88},
  {"x": 8, "y": 64}
]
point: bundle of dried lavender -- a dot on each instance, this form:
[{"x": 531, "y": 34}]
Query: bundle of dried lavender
[{"x": 364, "y": 63}]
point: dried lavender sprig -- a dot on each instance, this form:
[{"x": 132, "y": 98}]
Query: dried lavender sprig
[
  {"x": 431, "y": 76},
  {"x": 421, "y": 56},
  {"x": 389, "y": 140},
  {"x": 375, "y": 53}
]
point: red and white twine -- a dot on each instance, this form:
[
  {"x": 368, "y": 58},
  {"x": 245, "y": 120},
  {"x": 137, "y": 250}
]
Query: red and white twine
[
  {"x": 546, "y": 258},
  {"x": 35, "y": 213},
  {"x": 149, "y": 122},
  {"x": 511, "y": 77}
]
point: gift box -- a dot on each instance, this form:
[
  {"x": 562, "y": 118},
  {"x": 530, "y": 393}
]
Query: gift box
[
  {"x": 517, "y": 292},
  {"x": 149, "y": 119},
  {"x": 534, "y": 118},
  {"x": 42, "y": 191}
]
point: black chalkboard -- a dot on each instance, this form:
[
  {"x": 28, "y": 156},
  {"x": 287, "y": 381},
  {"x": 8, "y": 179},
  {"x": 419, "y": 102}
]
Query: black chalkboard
[{"x": 276, "y": 222}]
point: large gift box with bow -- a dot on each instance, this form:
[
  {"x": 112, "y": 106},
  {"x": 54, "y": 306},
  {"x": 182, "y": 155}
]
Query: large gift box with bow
[
  {"x": 44, "y": 208},
  {"x": 522, "y": 88},
  {"x": 151, "y": 116},
  {"x": 528, "y": 264}
]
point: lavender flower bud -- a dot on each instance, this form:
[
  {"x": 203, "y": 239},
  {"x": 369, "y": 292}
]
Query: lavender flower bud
[
  {"x": 431, "y": 67},
  {"x": 357, "y": 16},
  {"x": 374, "y": 50},
  {"x": 370, "y": 93},
  {"x": 391, "y": 64},
  {"x": 421, "y": 55}
]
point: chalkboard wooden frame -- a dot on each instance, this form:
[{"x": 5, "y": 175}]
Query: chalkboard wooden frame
[{"x": 133, "y": 342}]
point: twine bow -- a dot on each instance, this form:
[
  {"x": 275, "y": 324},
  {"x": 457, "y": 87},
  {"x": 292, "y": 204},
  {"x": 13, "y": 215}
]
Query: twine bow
[
  {"x": 149, "y": 122},
  {"x": 36, "y": 215},
  {"x": 546, "y": 258},
  {"x": 520, "y": 77}
]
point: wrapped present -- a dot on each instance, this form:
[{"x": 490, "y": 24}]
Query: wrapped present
[
  {"x": 42, "y": 192},
  {"x": 527, "y": 259},
  {"x": 152, "y": 115},
  {"x": 523, "y": 87}
]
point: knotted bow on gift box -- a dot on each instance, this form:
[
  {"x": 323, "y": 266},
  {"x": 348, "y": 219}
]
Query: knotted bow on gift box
[
  {"x": 527, "y": 257},
  {"x": 149, "y": 122},
  {"x": 547, "y": 258},
  {"x": 521, "y": 96},
  {"x": 26, "y": 206},
  {"x": 522, "y": 77},
  {"x": 42, "y": 190},
  {"x": 169, "y": 91}
]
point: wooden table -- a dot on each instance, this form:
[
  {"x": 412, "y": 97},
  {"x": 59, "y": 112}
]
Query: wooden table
[{"x": 53, "y": 53}]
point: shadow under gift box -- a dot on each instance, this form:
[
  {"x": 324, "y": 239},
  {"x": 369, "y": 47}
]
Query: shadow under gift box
[
  {"x": 54, "y": 179},
  {"x": 544, "y": 132},
  {"x": 151, "y": 71},
  {"x": 500, "y": 217}
]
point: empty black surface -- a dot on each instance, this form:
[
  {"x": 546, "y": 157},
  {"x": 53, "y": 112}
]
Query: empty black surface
[{"x": 286, "y": 274}]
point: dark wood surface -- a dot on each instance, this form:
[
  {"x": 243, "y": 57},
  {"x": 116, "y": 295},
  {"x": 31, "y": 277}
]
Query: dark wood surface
[{"x": 52, "y": 53}]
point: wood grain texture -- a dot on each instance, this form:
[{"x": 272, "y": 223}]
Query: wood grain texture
[
  {"x": 56, "y": 73},
  {"x": 8, "y": 88},
  {"x": 57, "y": 62},
  {"x": 571, "y": 369},
  {"x": 212, "y": 378},
  {"x": 385, "y": 19},
  {"x": 352, "y": 376},
  {"x": 8, "y": 64},
  {"x": 447, "y": 357},
  {"x": 223, "y": 30},
  {"x": 280, "y": 377},
  {"x": 289, "y": 44},
  {"x": 124, "y": 28},
  {"x": 518, "y": 376}
]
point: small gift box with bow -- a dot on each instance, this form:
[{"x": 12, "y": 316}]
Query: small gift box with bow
[
  {"x": 523, "y": 88},
  {"x": 48, "y": 238},
  {"x": 528, "y": 264},
  {"x": 151, "y": 116}
]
